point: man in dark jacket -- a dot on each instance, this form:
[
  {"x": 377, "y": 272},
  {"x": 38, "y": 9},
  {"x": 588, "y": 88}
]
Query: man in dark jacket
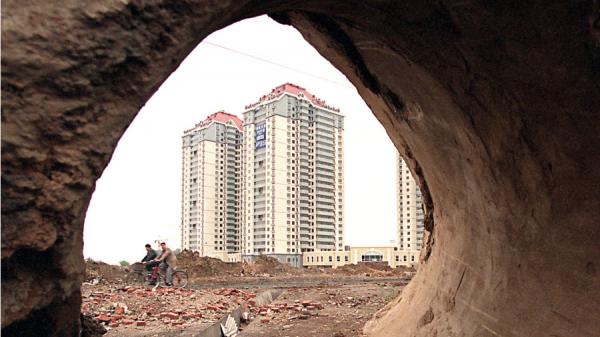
[{"x": 150, "y": 255}]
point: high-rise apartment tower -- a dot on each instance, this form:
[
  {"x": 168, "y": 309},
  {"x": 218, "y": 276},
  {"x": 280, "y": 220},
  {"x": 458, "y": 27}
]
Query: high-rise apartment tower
[
  {"x": 211, "y": 186},
  {"x": 292, "y": 176},
  {"x": 410, "y": 211}
]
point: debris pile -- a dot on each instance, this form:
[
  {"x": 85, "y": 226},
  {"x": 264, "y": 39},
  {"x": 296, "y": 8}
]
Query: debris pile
[
  {"x": 339, "y": 310},
  {"x": 123, "y": 307},
  {"x": 96, "y": 271},
  {"x": 199, "y": 267},
  {"x": 269, "y": 265},
  {"x": 370, "y": 269},
  {"x": 297, "y": 310}
]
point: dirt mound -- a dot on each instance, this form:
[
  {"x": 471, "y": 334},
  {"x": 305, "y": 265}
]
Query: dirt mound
[
  {"x": 370, "y": 268},
  {"x": 97, "y": 271},
  {"x": 269, "y": 265},
  {"x": 201, "y": 266}
]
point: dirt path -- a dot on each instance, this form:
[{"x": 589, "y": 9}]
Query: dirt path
[{"x": 281, "y": 282}]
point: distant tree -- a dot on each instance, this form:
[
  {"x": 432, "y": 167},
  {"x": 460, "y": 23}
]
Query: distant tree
[{"x": 124, "y": 263}]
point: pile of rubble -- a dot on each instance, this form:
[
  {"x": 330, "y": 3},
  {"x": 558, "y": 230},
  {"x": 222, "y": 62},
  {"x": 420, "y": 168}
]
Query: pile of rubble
[
  {"x": 371, "y": 269},
  {"x": 199, "y": 267},
  {"x": 124, "y": 307},
  {"x": 321, "y": 310},
  {"x": 302, "y": 309},
  {"x": 100, "y": 272},
  {"x": 297, "y": 310},
  {"x": 269, "y": 265}
]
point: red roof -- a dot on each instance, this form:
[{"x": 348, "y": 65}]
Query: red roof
[
  {"x": 221, "y": 117},
  {"x": 296, "y": 91}
]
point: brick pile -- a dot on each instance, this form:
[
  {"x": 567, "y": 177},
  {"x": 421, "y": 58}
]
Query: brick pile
[{"x": 141, "y": 307}]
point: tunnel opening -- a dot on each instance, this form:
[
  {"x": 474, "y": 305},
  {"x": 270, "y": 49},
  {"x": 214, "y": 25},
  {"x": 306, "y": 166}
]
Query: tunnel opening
[
  {"x": 494, "y": 104},
  {"x": 122, "y": 201},
  {"x": 236, "y": 69}
]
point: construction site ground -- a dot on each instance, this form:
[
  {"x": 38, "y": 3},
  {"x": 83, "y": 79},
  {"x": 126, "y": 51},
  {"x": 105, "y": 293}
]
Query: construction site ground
[
  {"x": 318, "y": 302},
  {"x": 333, "y": 310}
]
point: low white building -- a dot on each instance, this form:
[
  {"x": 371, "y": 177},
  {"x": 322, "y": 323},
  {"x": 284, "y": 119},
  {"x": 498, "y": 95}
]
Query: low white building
[{"x": 353, "y": 255}]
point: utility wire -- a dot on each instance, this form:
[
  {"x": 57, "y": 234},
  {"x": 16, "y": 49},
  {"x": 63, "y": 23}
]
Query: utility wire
[{"x": 276, "y": 64}]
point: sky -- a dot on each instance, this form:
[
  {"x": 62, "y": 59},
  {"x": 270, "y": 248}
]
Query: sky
[{"x": 137, "y": 198}]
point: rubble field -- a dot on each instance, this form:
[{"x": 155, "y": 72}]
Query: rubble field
[
  {"x": 144, "y": 311},
  {"x": 321, "y": 311},
  {"x": 315, "y": 302}
]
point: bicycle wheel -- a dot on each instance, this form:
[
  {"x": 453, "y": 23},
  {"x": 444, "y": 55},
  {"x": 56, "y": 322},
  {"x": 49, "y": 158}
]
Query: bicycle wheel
[{"x": 180, "y": 279}]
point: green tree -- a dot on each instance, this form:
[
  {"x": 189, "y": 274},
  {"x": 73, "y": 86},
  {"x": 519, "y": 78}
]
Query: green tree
[{"x": 124, "y": 263}]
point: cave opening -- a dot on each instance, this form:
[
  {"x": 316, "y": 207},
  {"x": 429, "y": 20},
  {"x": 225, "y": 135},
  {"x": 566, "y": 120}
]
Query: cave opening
[{"x": 495, "y": 105}]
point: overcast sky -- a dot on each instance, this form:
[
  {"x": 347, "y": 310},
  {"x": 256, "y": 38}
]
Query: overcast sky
[{"x": 137, "y": 199}]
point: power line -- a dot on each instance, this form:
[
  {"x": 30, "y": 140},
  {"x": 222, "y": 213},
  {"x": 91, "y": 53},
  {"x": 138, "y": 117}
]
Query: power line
[{"x": 258, "y": 58}]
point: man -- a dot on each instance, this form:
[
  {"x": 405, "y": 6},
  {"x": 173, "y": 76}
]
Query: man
[
  {"x": 149, "y": 262},
  {"x": 168, "y": 262},
  {"x": 150, "y": 255}
]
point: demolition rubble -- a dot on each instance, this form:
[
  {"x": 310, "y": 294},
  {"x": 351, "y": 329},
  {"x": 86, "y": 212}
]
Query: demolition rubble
[{"x": 338, "y": 301}]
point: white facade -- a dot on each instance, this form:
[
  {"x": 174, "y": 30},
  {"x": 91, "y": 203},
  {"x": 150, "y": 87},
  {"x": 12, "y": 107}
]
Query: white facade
[
  {"x": 211, "y": 187},
  {"x": 410, "y": 212},
  {"x": 292, "y": 176},
  {"x": 354, "y": 255}
]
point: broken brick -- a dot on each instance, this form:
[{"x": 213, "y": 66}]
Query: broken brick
[{"x": 103, "y": 318}]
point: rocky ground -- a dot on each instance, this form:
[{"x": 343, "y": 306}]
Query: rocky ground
[
  {"x": 137, "y": 310},
  {"x": 338, "y": 311},
  {"x": 317, "y": 302}
]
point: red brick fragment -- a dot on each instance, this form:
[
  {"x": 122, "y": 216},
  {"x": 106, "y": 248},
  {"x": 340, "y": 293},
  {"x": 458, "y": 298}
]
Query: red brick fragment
[
  {"x": 116, "y": 317},
  {"x": 140, "y": 323},
  {"x": 103, "y": 318}
]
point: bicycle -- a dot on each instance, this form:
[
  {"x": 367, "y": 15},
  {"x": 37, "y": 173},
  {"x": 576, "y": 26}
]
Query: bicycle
[{"x": 143, "y": 276}]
